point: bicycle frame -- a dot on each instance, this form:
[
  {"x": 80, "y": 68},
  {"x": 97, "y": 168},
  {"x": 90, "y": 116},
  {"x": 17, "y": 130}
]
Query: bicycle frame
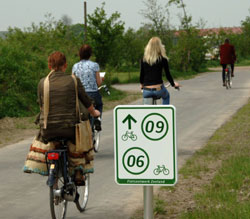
[{"x": 63, "y": 187}]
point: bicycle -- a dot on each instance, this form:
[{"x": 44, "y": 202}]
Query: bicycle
[
  {"x": 128, "y": 135},
  {"x": 160, "y": 169},
  {"x": 228, "y": 78},
  {"x": 96, "y": 134},
  {"x": 62, "y": 187}
]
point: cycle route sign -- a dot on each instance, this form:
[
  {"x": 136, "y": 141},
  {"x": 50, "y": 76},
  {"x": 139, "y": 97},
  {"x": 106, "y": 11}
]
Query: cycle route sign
[{"x": 145, "y": 145}]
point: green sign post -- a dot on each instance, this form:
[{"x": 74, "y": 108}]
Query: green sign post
[{"x": 145, "y": 145}]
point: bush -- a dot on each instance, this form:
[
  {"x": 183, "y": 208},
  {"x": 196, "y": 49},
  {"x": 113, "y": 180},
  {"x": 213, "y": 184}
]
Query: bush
[
  {"x": 23, "y": 63},
  {"x": 189, "y": 53}
]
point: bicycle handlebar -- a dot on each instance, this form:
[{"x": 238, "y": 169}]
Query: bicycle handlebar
[
  {"x": 168, "y": 85},
  {"x": 105, "y": 87}
]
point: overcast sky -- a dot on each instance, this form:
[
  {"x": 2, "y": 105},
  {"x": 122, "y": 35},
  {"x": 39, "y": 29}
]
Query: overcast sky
[{"x": 217, "y": 13}]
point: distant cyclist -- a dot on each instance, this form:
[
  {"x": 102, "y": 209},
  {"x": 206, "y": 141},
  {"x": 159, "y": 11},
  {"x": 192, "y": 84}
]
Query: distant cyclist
[
  {"x": 89, "y": 74},
  {"x": 154, "y": 61},
  {"x": 227, "y": 57}
]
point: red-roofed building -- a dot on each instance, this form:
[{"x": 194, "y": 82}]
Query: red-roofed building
[
  {"x": 228, "y": 30},
  {"x": 209, "y": 31}
]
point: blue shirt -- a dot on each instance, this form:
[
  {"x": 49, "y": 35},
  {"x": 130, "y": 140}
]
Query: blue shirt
[{"x": 86, "y": 71}]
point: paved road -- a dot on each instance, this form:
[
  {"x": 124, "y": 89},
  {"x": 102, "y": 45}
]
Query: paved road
[{"x": 202, "y": 106}]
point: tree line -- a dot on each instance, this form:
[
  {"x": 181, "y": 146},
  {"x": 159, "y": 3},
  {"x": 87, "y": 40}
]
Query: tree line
[{"x": 24, "y": 52}]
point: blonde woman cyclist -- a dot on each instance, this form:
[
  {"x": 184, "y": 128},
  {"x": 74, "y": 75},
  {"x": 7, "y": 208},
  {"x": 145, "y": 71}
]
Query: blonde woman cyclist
[{"x": 152, "y": 64}]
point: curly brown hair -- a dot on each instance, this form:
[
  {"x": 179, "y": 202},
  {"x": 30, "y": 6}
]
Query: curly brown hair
[{"x": 57, "y": 60}]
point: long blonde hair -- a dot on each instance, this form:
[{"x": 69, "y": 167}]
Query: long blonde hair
[{"x": 154, "y": 50}]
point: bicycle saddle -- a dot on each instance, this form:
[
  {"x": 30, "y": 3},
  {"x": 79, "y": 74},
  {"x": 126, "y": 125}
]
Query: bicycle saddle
[{"x": 59, "y": 141}]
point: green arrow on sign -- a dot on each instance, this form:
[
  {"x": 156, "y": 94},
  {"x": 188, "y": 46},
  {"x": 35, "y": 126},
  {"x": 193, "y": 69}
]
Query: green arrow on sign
[{"x": 129, "y": 118}]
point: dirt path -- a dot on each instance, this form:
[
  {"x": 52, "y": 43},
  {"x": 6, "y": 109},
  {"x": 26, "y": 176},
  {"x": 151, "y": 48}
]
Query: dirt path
[{"x": 13, "y": 130}]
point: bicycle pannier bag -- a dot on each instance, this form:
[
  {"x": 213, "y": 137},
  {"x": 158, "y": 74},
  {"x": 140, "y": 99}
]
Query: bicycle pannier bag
[{"x": 35, "y": 160}]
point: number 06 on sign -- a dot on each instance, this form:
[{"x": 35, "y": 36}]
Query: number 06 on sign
[{"x": 145, "y": 145}]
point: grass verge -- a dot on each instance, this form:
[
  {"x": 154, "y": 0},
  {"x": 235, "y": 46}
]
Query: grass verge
[
  {"x": 215, "y": 182},
  {"x": 227, "y": 155},
  {"x": 118, "y": 97}
]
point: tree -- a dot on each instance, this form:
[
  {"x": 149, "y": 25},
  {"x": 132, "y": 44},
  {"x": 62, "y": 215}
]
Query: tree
[
  {"x": 185, "y": 19},
  {"x": 133, "y": 45},
  {"x": 156, "y": 14},
  {"x": 159, "y": 22},
  {"x": 245, "y": 48},
  {"x": 66, "y": 20},
  {"x": 104, "y": 35},
  {"x": 189, "y": 53}
]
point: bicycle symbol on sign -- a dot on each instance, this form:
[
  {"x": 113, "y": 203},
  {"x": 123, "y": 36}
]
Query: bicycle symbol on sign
[
  {"x": 160, "y": 169},
  {"x": 128, "y": 135}
]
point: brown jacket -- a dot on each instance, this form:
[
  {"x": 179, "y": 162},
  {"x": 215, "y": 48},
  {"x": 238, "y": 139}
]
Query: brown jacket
[{"x": 62, "y": 101}]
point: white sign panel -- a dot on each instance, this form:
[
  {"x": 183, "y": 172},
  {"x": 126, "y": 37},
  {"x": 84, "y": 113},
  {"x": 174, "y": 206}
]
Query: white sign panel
[{"x": 145, "y": 145}]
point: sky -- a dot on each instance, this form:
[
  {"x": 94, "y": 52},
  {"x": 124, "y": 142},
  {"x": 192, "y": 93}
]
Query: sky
[{"x": 216, "y": 13}]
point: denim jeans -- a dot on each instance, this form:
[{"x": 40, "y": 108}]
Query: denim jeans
[
  {"x": 96, "y": 96},
  {"x": 163, "y": 93}
]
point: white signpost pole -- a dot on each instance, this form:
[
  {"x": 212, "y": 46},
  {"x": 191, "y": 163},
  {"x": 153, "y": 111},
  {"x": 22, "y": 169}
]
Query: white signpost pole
[{"x": 148, "y": 202}]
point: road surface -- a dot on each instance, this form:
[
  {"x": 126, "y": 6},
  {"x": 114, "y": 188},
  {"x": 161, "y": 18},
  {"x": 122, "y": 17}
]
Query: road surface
[{"x": 203, "y": 105}]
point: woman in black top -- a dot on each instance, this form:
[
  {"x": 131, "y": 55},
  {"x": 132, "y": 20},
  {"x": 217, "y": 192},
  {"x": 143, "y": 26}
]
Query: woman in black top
[{"x": 153, "y": 62}]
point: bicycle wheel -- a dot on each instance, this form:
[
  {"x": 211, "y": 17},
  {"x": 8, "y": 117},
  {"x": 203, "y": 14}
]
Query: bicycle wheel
[
  {"x": 124, "y": 137},
  {"x": 166, "y": 171},
  {"x": 83, "y": 192},
  {"x": 134, "y": 138},
  {"x": 230, "y": 80},
  {"x": 96, "y": 140},
  {"x": 227, "y": 80},
  {"x": 156, "y": 171},
  {"x": 58, "y": 206}
]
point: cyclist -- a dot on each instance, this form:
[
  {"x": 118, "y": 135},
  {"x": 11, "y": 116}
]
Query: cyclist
[
  {"x": 153, "y": 62},
  {"x": 227, "y": 56},
  {"x": 89, "y": 74},
  {"x": 57, "y": 103}
]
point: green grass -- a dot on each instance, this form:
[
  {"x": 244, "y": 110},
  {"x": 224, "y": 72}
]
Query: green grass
[
  {"x": 228, "y": 193},
  {"x": 159, "y": 206},
  {"x": 114, "y": 94},
  {"x": 245, "y": 62},
  {"x": 240, "y": 62},
  {"x": 118, "y": 97},
  {"x": 124, "y": 77}
]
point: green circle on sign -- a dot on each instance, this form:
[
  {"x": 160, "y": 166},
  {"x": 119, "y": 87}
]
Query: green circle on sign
[
  {"x": 153, "y": 126},
  {"x": 135, "y": 158}
]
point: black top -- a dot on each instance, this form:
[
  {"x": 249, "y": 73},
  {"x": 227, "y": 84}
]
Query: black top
[{"x": 152, "y": 74}]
